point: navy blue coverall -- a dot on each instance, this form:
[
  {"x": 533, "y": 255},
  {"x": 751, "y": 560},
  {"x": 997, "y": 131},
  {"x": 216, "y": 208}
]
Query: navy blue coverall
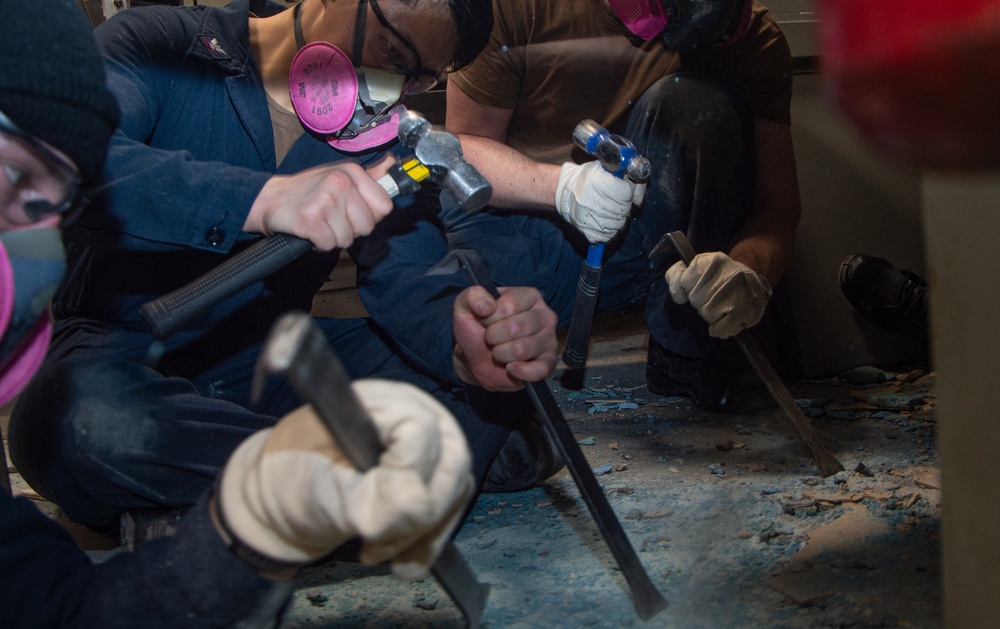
[
  {"x": 115, "y": 421},
  {"x": 188, "y": 580}
]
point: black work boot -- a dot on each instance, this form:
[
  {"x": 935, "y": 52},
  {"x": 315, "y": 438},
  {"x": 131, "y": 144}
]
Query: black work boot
[
  {"x": 723, "y": 382},
  {"x": 525, "y": 460},
  {"x": 894, "y": 299}
]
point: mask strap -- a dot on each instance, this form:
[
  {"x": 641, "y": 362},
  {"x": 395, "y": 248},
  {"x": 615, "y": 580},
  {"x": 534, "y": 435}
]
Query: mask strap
[
  {"x": 359, "y": 46},
  {"x": 359, "y": 30},
  {"x": 359, "y": 33},
  {"x": 300, "y": 39}
]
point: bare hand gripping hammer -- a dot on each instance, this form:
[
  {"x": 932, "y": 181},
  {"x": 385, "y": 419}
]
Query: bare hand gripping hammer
[
  {"x": 647, "y": 600},
  {"x": 297, "y": 349},
  {"x": 620, "y": 158},
  {"x": 437, "y": 154}
]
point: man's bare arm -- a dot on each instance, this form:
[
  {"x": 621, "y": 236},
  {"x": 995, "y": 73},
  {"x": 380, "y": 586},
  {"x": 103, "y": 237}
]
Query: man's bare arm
[
  {"x": 518, "y": 182},
  {"x": 766, "y": 241}
]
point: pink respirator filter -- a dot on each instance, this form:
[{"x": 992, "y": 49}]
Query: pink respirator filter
[
  {"x": 645, "y": 18},
  {"x": 323, "y": 87},
  {"x": 17, "y": 368},
  {"x": 376, "y": 136}
]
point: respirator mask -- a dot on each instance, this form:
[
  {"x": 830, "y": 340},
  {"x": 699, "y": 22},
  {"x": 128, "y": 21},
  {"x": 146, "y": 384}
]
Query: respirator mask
[
  {"x": 686, "y": 24},
  {"x": 32, "y": 264},
  {"x": 37, "y": 187},
  {"x": 357, "y": 108}
]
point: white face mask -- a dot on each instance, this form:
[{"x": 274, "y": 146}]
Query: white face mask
[
  {"x": 356, "y": 108},
  {"x": 32, "y": 264}
]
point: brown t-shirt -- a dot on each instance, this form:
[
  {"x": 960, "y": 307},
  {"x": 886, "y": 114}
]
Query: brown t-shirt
[
  {"x": 557, "y": 62},
  {"x": 286, "y": 126}
]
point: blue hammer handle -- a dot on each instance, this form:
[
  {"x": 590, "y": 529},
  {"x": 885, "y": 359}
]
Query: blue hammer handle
[{"x": 620, "y": 158}]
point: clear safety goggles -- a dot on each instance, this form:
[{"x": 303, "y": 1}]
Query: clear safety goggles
[
  {"x": 35, "y": 182},
  {"x": 418, "y": 78}
]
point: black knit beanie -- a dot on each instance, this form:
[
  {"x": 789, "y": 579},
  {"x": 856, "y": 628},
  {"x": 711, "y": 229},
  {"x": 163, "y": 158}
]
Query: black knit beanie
[{"x": 52, "y": 81}]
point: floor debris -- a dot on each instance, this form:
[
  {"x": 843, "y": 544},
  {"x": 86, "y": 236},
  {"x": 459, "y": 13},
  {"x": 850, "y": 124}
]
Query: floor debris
[{"x": 727, "y": 514}]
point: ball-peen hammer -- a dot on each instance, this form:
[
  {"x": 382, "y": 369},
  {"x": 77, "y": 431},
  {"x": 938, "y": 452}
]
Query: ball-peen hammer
[
  {"x": 436, "y": 155},
  {"x": 619, "y": 157}
]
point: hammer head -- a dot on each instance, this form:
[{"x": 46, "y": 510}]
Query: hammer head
[
  {"x": 462, "y": 186},
  {"x": 617, "y": 154}
]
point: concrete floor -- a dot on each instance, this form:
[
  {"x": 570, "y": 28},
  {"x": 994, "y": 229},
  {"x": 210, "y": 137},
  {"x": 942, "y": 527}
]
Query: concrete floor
[{"x": 726, "y": 513}]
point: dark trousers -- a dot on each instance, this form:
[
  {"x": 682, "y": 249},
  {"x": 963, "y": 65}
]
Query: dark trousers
[{"x": 99, "y": 432}]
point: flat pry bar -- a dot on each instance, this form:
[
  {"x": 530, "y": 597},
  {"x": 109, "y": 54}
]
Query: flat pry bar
[
  {"x": 647, "y": 600},
  {"x": 826, "y": 463},
  {"x": 297, "y": 349}
]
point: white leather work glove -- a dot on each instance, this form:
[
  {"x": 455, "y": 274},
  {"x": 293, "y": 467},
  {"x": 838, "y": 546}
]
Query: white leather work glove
[
  {"x": 289, "y": 492},
  {"x": 595, "y": 201},
  {"x": 729, "y": 295}
]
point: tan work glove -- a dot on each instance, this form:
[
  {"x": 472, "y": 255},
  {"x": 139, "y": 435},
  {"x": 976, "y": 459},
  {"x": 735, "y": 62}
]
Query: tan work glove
[
  {"x": 290, "y": 493},
  {"x": 729, "y": 295},
  {"x": 595, "y": 201}
]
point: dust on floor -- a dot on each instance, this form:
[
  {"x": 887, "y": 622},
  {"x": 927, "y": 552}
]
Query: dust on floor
[{"x": 726, "y": 513}]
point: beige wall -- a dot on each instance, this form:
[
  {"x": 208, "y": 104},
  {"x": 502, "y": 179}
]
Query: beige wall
[
  {"x": 853, "y": 201},
  {"x": 963, "y": 221}
]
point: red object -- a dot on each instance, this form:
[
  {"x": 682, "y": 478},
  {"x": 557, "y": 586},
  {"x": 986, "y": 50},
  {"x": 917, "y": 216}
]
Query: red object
[{"x": 919, "y": 79}]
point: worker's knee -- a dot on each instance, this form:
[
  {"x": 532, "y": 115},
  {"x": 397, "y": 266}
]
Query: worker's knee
[
  {"x": 74, "y": 419},
  {"x": 689, "y": 110}
]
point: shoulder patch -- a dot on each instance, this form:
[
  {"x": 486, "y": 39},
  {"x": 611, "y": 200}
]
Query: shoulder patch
[{"x": 211, "y": 43}]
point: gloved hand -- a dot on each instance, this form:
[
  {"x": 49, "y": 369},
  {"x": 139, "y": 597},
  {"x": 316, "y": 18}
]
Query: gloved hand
[
  {"x": 595, "y": 201},
  {"x": 290, "y": 493},
  {"x": 728, "y": 294}
]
